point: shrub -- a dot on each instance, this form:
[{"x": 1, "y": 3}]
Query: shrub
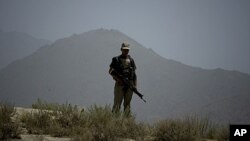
[
  {"x": 8, "y": 129},
  {"x": 96, "y": 123},
  {"x": 44, "y": 105},
  {"x": 37, "y": 122},
  {"x": 189, "y": 129},
  {"x": 222, "y": 133},
  {"x": 104, "y": 125}
]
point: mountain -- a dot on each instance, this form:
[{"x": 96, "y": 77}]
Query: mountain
[
  {"x": 75, "y": 69},
  {"x": 16, "y": 45}
]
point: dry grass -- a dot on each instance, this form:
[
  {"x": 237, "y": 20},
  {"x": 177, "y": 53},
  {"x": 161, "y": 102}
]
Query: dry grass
[
  {"x": 98, "y": 123},
  {"x": 95, "y": 123},
  {"x": 191, "y": 128},
  {"x": 8, "y": 129}
]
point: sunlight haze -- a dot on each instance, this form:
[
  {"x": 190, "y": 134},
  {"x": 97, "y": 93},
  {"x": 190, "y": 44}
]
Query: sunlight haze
[{"x": 203, "y": 33}]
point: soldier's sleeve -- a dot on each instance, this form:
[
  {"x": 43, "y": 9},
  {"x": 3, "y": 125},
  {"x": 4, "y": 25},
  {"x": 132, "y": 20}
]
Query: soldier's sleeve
[
  {"x": 133, "y": 63},
  {"x": 112, "y": 66},
  {"x": 113, "y": 63},
  {"x": 135, "y": 76}
]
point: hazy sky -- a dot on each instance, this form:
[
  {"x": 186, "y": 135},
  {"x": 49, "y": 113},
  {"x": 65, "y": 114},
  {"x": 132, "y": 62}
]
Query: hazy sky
[{"x": 204, "y": 33}]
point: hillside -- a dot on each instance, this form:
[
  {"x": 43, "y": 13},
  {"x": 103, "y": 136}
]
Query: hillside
[
  {"x": 75, "y": 69},
  {"x": 16, "y": 45}
]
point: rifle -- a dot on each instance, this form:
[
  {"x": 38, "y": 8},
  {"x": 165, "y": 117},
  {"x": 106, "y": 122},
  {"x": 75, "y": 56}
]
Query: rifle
[{"x": 127, "y": 83}]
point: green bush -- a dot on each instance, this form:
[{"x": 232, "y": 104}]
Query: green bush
[{"x": 8, "y": 129}]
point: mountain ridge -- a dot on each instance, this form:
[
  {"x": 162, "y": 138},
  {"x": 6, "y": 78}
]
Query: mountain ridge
[
  {"x": 16, "y": 45},
  {"x": 75, "y": 69}
]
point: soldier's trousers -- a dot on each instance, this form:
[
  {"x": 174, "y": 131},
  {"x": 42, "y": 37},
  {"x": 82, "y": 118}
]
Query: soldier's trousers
[{"x": 122, "y": 95}]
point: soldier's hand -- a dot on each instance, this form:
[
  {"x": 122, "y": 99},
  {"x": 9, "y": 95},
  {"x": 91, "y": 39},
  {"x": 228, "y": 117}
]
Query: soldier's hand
[{"x": 119, "y": 81}]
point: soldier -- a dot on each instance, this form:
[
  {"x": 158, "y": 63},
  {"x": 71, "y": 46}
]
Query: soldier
[{"x": 124, "y": 65}]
